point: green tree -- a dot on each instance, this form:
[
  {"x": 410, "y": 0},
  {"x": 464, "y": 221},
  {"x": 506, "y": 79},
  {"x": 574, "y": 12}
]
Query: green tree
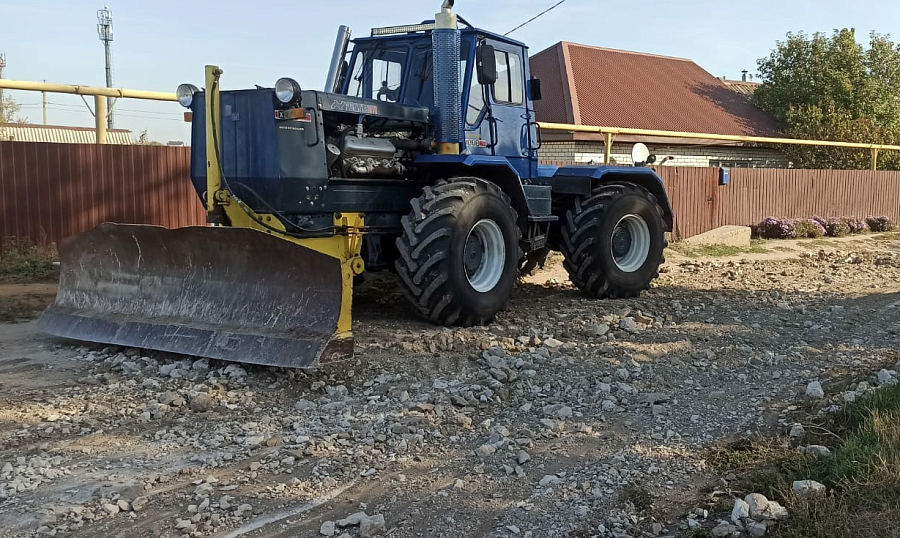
[
  {"x": 833, "y": 88},
  {"x": 9, "y": 110}
]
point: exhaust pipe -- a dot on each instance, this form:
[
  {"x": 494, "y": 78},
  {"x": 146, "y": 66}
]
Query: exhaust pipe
[
  {"x": 337, "y": 59},
  {"x": 446, "y": 43}
]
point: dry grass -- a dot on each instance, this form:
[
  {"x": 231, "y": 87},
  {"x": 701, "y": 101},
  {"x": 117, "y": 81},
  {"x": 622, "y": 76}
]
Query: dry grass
[
  {"x": 718, "y": 251},
  {"x": 21, "y": 261},
  {"x": 23, "y": 307},
  {"x": 862, "y": 474},
  {"x": 890, "y": 236}
]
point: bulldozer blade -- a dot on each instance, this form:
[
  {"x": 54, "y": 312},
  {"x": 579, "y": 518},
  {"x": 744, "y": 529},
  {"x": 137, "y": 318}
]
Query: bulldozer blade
[{"x": 225, "y": 293}]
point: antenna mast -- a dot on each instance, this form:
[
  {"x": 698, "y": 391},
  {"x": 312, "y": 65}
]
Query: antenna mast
[
  {"x": 2, "y": 65},
  {"x": 105, "y": 31}
]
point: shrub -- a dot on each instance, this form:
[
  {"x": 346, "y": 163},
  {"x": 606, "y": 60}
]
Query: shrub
[
  {"x": 837, "y": 228},
  {"x": 772, "y": 228},
  {"x": 808, "y": 228},
  {"x": 857, "y": 226},
  {"x": 23, "y": 261},
  {"x": 880, "y": 224}
]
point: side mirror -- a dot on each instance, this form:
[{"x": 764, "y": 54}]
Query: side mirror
[
  {"x": 651, "y": 159},
  {"x": 534, "y": 89},
  {"x": 486, "y": 64}
]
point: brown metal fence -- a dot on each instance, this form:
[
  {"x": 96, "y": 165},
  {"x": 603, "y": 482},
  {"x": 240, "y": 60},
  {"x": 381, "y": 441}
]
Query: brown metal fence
[
  {"x": 51, "y": 191},
  {"x": 701, "y": 204}
]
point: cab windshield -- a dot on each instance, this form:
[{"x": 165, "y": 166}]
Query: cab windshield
[
  {"x": 377, "y": 73},
  {"x": 398, "y": 73}
]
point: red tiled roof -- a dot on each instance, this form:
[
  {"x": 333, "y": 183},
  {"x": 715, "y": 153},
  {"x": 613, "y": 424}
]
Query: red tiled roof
[
  {"x": 614, "y": 88},
  {"x": 742, "y": 86}
]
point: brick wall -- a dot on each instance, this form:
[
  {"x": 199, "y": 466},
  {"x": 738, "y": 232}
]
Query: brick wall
[{"x": 700, "y": 156}]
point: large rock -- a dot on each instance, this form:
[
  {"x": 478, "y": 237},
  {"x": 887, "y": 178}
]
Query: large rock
[
  {"x": 740, "y": 511},
  {"x": 372, "y": 526},
  {"x": 808, "y": 488},
  {"x": 775, "y": 512},
  {"x": 200, "y": 403},
  {"x": 757, "y": 504},
  {"x": 814, "y": 390},
  {"x": 818, "y": 451},
  {"x": 730, "y": 236},
  {"x": 723, "y": 530},
  {"x": 352, "y": 519}
]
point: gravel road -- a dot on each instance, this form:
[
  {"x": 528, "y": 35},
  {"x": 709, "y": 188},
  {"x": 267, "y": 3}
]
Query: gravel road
[{"x": 566, "y": 417}]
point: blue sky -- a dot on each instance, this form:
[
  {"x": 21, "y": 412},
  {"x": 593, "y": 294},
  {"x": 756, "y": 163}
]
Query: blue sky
[{"x": 162, "y": 43}]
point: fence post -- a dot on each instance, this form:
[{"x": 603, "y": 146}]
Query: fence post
[
  {"x": 607, "y": 152},
  {"x": 100, "y": 118}
]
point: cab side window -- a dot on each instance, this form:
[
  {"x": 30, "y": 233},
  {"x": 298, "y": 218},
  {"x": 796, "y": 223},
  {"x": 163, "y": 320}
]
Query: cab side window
[
  {"x": 476, "y": 102},
  {"x": 510, "y": 86}
]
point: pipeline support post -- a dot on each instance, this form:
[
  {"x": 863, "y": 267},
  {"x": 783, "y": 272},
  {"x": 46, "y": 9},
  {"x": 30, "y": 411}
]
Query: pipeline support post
[
  {"x": 607, "y": 152},
  {"x": 874, "y": 159},
  {"x": 213, "y": 134},
  {"x": 100, "y": 118}
]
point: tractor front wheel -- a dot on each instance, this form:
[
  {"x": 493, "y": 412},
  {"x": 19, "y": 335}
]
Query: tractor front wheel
[
  {"x": 613, "y": 241},
  {"x": 459, "y": 252}
]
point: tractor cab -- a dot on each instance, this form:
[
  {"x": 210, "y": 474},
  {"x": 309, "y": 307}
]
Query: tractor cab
[{"x": 396, "y": 64}]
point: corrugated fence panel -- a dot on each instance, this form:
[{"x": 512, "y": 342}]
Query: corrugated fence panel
[
  {"x": 51, "y": 191},
  {"x": 701, "y": 204}
]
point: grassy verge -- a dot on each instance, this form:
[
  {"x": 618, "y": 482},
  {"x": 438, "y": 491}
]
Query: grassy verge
[
  {"x": 889, "y": 236},
  {"x": 862, "y": 473},
  {"x": 23, "y": 262},
  {"x": 23, "y": 307},
  {"x": 718, "y": 251}
]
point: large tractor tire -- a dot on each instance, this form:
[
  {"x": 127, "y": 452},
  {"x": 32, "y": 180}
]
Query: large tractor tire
[
  {"x": 459, "y": 252},
  {"x": 613, "y": 241}
]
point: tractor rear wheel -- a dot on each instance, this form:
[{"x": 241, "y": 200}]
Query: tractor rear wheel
[
  {"x": 459, "y": 252},
  {"x": 613, "y": 241}
]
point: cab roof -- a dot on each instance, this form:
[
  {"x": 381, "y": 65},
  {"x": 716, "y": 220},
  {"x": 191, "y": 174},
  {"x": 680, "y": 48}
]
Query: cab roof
[{"x": 467, "y": 31}]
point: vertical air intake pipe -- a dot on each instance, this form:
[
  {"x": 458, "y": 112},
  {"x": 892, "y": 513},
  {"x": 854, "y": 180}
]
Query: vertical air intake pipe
[
  {"x": 337, "y": 59},
  {"x": 447, "y": 99}
]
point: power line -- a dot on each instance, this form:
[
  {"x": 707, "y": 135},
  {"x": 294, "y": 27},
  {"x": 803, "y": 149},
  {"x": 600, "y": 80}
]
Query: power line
[
  {"x": 78, "y": 109},
  {"x": 536, "y": 17}
]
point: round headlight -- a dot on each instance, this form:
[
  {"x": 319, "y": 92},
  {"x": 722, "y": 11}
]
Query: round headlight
[
  {"x": 185, "y": 94},
  {"x": 287, "y": 90}
]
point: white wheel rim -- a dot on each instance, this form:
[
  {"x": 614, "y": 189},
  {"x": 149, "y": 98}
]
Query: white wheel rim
[
  {"x": 630, "y": 244},
  {"x": 484, "y": 255}
]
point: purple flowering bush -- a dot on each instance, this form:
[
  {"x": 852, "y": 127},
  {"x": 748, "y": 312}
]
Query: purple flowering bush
[
  {"x": 772, "y": 228},
  {"x": 815, "y": 227},
  {"x": 880, "y": 224},
  {"x": 808, "y": 228},
  {"x": 857, "y": 226},
  {"x": 837, "y": 228}
]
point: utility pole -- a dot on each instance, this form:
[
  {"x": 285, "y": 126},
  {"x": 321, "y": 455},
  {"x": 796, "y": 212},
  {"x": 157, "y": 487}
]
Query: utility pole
[
  {"x": 44, "y": 95},
  {"x": 2, "y": 65},
  {"x": 105, "y": 31}
]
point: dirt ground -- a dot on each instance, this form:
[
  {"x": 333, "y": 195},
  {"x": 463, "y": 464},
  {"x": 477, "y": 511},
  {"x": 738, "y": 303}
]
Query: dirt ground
[{"x": 566, "y": 417}]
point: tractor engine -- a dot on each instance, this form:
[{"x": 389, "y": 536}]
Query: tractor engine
[
  {"x": 292, "y": 153},
  {"x": 368, "y": 156}
]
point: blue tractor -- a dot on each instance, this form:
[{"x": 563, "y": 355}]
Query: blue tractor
[{"x": 420, "y": 156}]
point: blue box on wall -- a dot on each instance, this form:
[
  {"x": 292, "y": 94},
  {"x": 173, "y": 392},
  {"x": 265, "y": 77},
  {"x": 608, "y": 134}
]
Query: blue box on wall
[{"x": 724, "y": 176}]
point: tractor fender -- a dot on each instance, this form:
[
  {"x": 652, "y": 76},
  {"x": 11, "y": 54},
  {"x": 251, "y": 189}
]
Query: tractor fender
[
  {"x": 497, "y": 170},
  {"x": 581, "y": 181}
]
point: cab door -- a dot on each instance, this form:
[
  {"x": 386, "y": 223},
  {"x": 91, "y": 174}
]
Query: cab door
[{"x": 498, "y": 121}]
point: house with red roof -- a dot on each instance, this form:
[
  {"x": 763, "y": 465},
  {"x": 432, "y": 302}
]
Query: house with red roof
[{"x": 587, "y": 85}]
